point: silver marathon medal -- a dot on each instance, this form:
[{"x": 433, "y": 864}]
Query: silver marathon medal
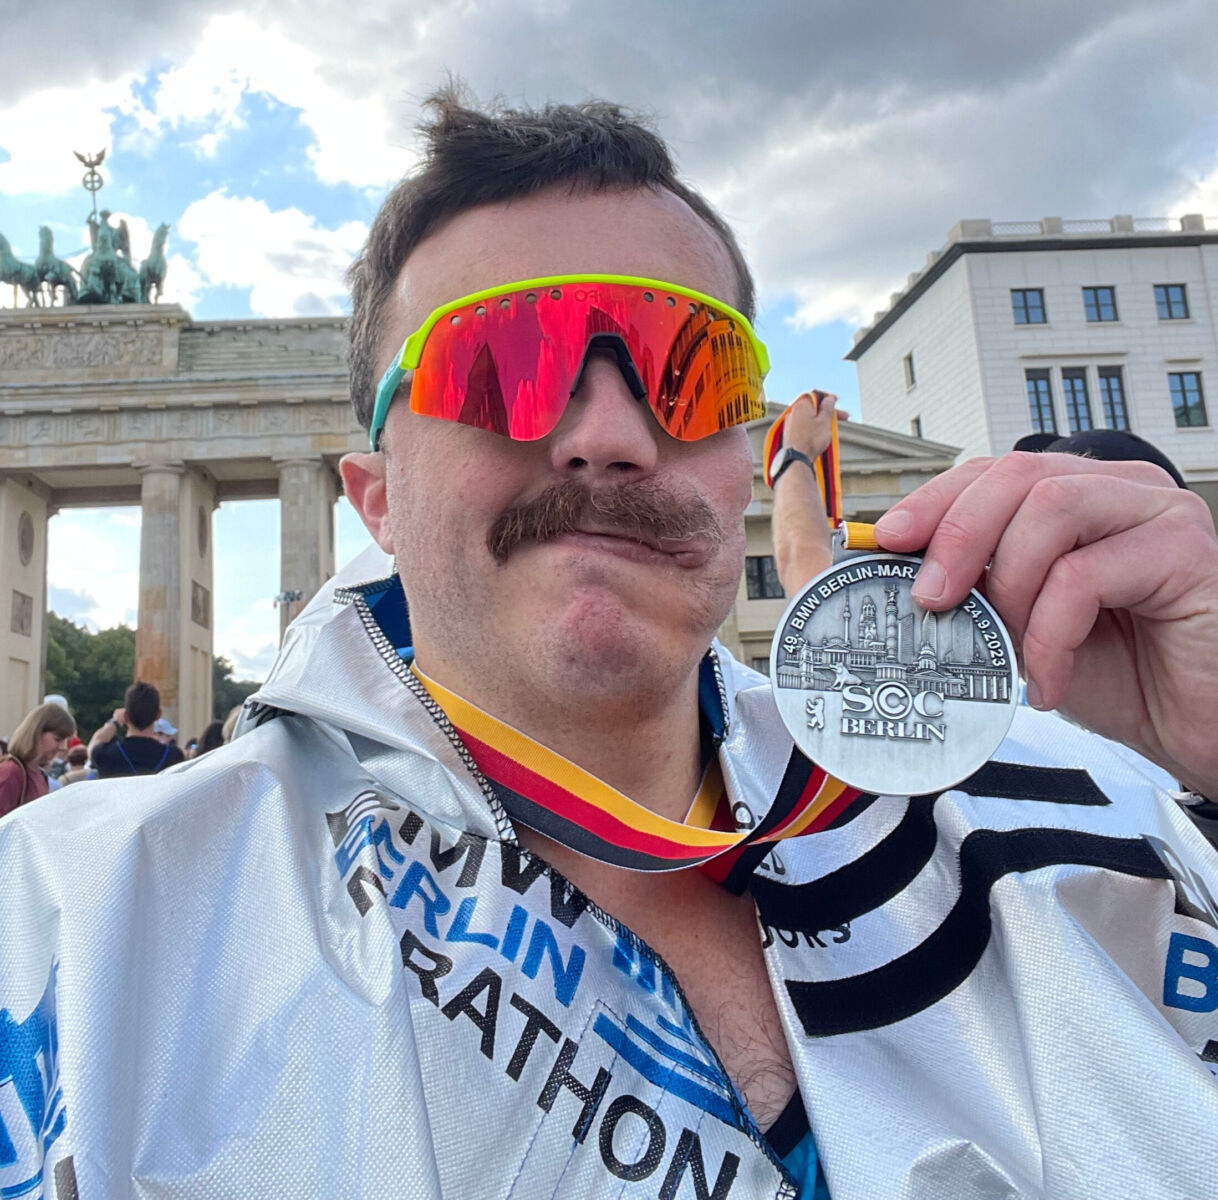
[{"x": 884, "y": 694}]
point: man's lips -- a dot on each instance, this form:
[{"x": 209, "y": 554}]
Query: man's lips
[{"x": 640, "y": 548}]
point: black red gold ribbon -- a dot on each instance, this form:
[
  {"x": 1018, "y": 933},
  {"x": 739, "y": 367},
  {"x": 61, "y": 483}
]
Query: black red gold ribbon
[
  {"x": 561, "y": 800},
  {"x": 828, "y": 465},
  {"x": 855, "y": 535}
]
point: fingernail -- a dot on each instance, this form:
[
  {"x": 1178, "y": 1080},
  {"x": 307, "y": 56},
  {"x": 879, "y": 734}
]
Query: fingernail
[
  {"x": 931, "y": 581},
  {"x": 894, "y": 524},
  {"x": 1033, "y": 695}
]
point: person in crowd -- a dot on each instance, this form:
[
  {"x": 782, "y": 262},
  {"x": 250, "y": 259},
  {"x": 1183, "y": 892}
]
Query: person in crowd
[
  {"x": 191, "y": 749},
  {"x": 78, "y": 765},
  {"x": 165, "y": 732},
  {"x": 1105, "y": 445},
  {"x": 35, "y": 744},
  {"x": 515, "y": 883},
  {"x": 230, "y": 722},
  {"x": 213, "y": 737},
  {"x": 141, "y": 751}
]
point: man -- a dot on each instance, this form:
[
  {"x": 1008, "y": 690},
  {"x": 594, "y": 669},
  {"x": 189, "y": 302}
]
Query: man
[
  {"x": 165, "y": 731},
  {"x": 385, "y": 942},
  {"x": 78, "y": 765},
  {"x": 144, "y": 751}
]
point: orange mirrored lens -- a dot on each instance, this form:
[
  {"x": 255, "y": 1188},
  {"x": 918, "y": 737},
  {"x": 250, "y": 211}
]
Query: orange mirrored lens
[{"x": 509, "y": 363}]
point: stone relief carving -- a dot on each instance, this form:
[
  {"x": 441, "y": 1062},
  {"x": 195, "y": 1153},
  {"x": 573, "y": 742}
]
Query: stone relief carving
[
  {"x": 200, "y": 604},
  {"x": 239, "y": 431},
  {"x": 88, "y": 428},
  {"x": 22, "y": 621},
  {"x": 25, "y": 538},
  {"x": 109, "y": 348}
]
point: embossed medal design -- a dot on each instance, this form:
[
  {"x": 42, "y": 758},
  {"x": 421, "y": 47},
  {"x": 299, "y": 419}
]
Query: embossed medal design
[{"x": 884, "y": 694}]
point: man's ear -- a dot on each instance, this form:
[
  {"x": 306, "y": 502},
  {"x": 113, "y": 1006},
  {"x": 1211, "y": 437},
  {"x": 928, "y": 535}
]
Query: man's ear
[{"x": 363, "y": 476}]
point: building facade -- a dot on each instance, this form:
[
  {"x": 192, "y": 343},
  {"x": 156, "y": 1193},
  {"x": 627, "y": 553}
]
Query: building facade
[{"x": 1055, "y": 326}]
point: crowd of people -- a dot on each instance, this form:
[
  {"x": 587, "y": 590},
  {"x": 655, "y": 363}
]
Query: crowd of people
[{"x": 45, "y": 752}]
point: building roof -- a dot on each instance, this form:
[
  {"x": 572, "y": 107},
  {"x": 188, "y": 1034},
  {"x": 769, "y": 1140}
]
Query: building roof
[{"x": 984, "y": 236}]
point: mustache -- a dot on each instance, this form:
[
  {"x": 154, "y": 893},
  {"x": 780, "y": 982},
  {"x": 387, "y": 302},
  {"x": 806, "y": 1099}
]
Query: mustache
[{"x": 644, "y": 511}]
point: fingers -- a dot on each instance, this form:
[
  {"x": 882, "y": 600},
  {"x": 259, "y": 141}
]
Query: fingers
[
  {"x": 1121, "y": 574},
  {"x": 809, "y": 423},
  {"x": 1062, "y": 513},
  {"x": 961, "y": 516}
]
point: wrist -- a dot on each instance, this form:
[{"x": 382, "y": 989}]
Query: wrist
[{"x": 784, "y": 459}]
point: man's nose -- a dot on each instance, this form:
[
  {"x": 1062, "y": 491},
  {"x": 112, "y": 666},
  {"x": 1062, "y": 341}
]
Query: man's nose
[{"x": 605, "y": 430}]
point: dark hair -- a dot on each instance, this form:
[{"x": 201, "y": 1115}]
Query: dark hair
[
  {"x": 78, "y": 756},
  {"x": 476, "y": 157},
  {"x": 1035, "y": 443},
  {"x": 1116, "y": 445},
  {"x": 143, "y": 704},
  {"x": 213, "y": 737}
]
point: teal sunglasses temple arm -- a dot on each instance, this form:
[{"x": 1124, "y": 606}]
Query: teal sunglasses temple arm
[{"x": 385, "y": 392}]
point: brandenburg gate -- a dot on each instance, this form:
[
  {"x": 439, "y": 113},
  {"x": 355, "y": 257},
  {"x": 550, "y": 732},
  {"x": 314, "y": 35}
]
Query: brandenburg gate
[{"x": 109, "y": 404}]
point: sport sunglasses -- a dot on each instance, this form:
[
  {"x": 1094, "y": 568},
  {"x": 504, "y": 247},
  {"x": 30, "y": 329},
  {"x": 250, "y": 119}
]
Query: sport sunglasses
[{"x": 508, "y": 359}]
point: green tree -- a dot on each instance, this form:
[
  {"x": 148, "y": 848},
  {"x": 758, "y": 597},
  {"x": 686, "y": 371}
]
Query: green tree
[
  {"x": 226, "y": 691},
  {"x": 92, "y": 670}
]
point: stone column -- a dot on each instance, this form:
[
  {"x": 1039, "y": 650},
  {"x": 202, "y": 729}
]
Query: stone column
[
  {"x": 197, "y": 615},
  {"x": 158, "y": 635},
  {"x": 23, "y": 599},
  {"x": 308, "y": 489}
]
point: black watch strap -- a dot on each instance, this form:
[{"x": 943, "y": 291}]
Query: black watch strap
[{"x": 786, "y": 456}]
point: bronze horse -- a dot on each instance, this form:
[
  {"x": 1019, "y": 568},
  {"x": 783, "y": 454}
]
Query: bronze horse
[
  {"x": 152, "y": 269},
  {"x": 20, "y": 274},
  {"x": 54, "y": 271}
]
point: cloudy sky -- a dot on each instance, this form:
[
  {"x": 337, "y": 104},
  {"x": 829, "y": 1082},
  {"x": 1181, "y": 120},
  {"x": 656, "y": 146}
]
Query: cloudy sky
[{"x": 842, "y": 138}]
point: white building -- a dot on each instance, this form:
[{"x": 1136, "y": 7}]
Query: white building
[{"x": 1021, "y": 327}]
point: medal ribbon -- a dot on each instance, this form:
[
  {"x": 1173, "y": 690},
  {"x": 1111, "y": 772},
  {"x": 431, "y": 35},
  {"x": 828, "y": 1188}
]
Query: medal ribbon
[
  {"x": 549, "y": 793},
  {"x": 855, "y": 535},
  {"x": 828, "y": 465}
]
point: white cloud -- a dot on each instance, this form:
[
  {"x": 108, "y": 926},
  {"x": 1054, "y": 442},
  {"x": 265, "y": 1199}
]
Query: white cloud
[
  {"x": 99, "y": 547},
  {"x": 1201, "y": 197},
  {"x": 93, "y": 575},
  {"x": 249, "y": 640},
  {"x": 238, "y": 55},
  {"x": 41, "y": 129},
  {"x": 293, "y": 265}
]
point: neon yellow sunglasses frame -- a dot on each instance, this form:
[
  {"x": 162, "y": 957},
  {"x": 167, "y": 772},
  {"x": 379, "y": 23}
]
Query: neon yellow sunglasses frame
[{"x": 412, "y": 349}]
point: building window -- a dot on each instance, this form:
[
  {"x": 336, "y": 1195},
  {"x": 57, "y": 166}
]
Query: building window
[
  {"x": 1171, "y": 299},
  {"x": 1028, "y": 305},
  {"x": 1040, "y": 401},
  {"x": 1187, "y": 400},
  {"x": 1078, "y": 406},
  {"x": 1099, "y": 303},
  {"x": 761, "y": 664},
  {"x": 910, "y": 377},
  {"x": 761, "y": 576},
  {"x": 915, "y": 427},
  {"x": 1112, "y": 397}
]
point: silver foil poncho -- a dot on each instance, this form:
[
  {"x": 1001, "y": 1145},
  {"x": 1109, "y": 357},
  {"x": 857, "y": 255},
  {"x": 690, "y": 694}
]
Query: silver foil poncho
[{"x": 317, "y": 964}]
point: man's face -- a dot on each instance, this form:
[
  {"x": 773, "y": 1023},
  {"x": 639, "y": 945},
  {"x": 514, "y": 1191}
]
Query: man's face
[{"x": 595, "y": 609}]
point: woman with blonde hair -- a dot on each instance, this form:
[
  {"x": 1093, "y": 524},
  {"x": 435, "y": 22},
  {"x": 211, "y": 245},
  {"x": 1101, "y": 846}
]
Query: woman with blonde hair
[{"x": 34, "y": 744}]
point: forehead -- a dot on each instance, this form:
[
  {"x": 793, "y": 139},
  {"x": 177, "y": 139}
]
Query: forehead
[{"x": 556, "y": 232}]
